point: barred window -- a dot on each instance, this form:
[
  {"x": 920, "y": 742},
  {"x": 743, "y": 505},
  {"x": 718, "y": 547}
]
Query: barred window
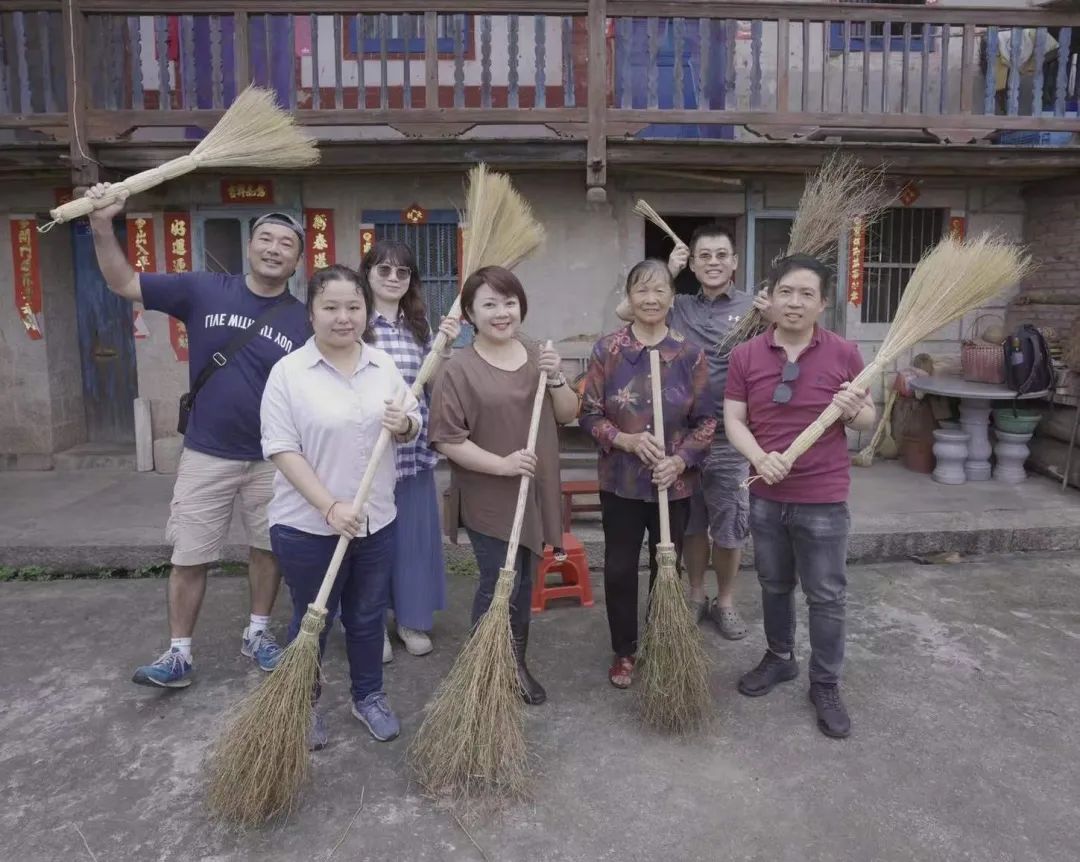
[{"x": 894, "y": 245}]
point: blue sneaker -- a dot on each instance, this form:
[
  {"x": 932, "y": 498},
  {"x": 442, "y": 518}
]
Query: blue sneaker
[
  {"x": 171, "y": 670},
  {"x": 262, "y": 648},
  {"x": 375, "y": 712}
]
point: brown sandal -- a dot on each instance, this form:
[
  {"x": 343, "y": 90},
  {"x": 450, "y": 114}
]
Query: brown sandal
[{"x": 621, "y": 673}]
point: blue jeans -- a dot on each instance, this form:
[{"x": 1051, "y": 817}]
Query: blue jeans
[
  {"x": 490, "y": 556},
  {"x": 361, "y": 591},
  {"x": 805, "y": 542}
]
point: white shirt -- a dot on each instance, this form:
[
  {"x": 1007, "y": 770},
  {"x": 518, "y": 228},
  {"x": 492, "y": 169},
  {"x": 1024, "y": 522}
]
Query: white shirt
[{"x": 311, "y": 408}]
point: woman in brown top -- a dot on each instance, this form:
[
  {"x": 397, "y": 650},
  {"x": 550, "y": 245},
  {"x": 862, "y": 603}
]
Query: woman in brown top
[{"x": 480, "y": 412}]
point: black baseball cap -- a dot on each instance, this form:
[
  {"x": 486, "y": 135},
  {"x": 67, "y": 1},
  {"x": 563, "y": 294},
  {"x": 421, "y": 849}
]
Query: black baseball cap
[{"x": 283, "y": 219}]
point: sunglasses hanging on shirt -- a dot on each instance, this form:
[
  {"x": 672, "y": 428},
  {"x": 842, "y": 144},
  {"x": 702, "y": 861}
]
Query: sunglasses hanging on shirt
[{"x": 783, "y": 392}]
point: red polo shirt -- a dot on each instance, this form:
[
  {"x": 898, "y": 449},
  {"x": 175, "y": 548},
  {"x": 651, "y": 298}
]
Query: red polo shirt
[{"x": 822, "y": 475}]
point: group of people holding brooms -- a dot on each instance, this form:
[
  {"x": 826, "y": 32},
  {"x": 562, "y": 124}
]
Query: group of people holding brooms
[{"x": 682, "y": 401}]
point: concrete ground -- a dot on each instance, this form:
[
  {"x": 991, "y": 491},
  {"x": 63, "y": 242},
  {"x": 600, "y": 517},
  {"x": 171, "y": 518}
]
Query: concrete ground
[
  {"x": 85, "y": 519},
  {"x": 961, "y": 682}
]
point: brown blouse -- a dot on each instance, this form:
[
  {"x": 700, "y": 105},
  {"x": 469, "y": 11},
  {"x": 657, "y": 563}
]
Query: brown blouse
[{"x": 473, "y": 400}]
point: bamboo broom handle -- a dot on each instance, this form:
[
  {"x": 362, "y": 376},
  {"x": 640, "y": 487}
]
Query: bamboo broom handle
[
  {"x": 523, "y": 488},
  {"x": 658, "y": 433},
  {"x": 812, "y": 433},
  {"x": 134, "y": 185},
  {"x": 432, "y": 360},
  {"x": 362, "y": 493}
]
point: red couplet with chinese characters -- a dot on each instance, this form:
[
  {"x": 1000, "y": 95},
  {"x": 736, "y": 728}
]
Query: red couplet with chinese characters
[
  {"x": 27, "y": 273},
  {"x": 319, "y": 226},
  {"x": 178, "y": 259},
  {"x": 140, "y": 242},
  {"x": 856, "y": 255},
  {"x": 957, "y": 227}
]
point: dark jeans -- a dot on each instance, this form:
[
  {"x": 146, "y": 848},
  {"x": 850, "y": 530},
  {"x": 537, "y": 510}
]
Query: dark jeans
[
  {"x": 490, "y": 556},
  {"x": 805, "y": 542},
  {"x": 625, "y": 522},
  {"x": 361, "y": 591}
]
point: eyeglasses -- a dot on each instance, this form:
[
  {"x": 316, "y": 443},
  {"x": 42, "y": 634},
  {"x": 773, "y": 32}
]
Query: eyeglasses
[
  {"x": 402, "y": 273},
  {"x": 709, "y": 257},
  {"x": 783, "y": 392}
]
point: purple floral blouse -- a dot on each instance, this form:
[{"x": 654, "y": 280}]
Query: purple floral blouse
[{"x": 617, "y": 396}]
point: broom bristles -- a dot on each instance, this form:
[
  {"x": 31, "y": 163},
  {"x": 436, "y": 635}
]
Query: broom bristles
[
  {"x": 643, "y": 209},
  {"x": 837, "y": 194},
  {"x": 260, "y": 762},
  {"x": 501, "y": 229},
  {"x": 472, "y": 741},
  {"x": 673, "y": 694},
  {"x": 255, "y": 132}
]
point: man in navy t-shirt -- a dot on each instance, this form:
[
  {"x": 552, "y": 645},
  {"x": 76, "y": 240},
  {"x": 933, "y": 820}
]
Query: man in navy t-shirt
[{"x": 222, "y": 460}]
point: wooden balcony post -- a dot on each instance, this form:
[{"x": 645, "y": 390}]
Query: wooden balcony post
[
  {"x": 84, "y": 170},
  {"x": 241, "y": 49},
  {"x": 596, "y": 168}
]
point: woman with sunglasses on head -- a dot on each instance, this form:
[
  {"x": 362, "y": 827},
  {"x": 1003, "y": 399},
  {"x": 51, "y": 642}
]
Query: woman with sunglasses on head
[
  {"x": 481, "y": 411},
  {"x": 778, "y": 384},
  {"x": 401, "y": 328},
  {"x": 324, "y": 407},
  {"x": 617, "y": 410}
]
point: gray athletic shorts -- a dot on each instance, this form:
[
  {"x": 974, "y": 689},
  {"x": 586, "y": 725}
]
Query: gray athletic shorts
[{"x": 719, "y": 506}]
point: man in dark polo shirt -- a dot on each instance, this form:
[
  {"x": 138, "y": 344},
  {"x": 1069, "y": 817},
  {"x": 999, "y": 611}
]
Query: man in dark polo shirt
[
  {"x": 222, "y": 464},
  {"x": 778, "y": 384},
  {"x": 719, "y": 507}
]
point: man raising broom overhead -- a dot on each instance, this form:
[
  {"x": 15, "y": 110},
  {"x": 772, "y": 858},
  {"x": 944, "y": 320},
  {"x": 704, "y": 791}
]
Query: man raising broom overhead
[
  {"x": 778, "y": 384},
  {"x": 718, "y": 505},
  {"x": 238, "y": 327}
]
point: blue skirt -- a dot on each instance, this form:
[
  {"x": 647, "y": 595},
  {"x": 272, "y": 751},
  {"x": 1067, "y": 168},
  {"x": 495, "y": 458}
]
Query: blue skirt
[{"x": 418, "y": 576}]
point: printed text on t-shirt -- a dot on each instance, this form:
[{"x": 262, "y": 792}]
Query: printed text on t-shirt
[{"x": 240, "y": 321}]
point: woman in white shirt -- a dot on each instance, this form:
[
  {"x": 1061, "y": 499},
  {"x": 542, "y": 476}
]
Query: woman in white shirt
[{"x": 322, "y": 411}]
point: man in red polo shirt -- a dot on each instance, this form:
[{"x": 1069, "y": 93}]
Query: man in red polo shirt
[{"x": 777, "y": 385}]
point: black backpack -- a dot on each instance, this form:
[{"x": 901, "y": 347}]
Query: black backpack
[{"x": 1028, "y": 367}]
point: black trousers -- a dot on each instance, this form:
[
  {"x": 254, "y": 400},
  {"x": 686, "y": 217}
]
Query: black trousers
[{"x": 625, "y": 523}]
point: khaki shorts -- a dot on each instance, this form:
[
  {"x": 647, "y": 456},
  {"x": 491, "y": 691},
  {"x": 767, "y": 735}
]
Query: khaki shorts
[
  {"x": 719, "y": 506},
  {"x": 202, "y": 505}
]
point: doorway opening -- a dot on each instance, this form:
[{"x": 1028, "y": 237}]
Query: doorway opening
[{"x": 659, "y": 245}]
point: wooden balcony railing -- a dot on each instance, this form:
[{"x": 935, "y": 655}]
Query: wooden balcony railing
[{"x": 94, "y": 71}]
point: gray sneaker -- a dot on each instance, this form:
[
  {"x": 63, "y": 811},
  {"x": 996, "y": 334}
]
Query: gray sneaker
[
  {"x": 318, "y": 736},
  {"x": 375, "y": 712}
]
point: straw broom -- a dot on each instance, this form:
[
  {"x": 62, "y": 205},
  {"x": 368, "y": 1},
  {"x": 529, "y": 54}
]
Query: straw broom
[
  {"x": 865, "y": 456},
  {"x": 952, "y": 279},
  {"x": 674, "y": 692},
  {"x": 839, "y": 193},
  {"x": 472, "y": 742},
  {"x": 642, "y": 209},
  {"x": 261, "y": 760},
  {"x": 253, "y": 132}
]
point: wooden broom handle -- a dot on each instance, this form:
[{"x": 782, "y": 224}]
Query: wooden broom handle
[
  {"x": 523, "y": 488},
  {"x": 812, "y": 433},
  {"x": 434, "y": 357},
  {"x": 362, "y": 494},
  {"x": 133, "y": 185},
  {"x": 658, "y": 433}
]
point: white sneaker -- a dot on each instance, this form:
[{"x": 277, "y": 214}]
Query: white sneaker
[
  {"x": 416, "y": 641},
  {"x": 387, "y": 650}
]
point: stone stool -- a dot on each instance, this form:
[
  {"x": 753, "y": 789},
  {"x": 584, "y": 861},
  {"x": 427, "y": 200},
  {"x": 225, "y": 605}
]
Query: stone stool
[
  {"x": 1011, "y": 451},
  {"x": 950, "y": 452}
]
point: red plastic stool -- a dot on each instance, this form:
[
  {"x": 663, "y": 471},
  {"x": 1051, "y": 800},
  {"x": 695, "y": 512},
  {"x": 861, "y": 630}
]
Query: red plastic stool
[{"x": 575, "y": 576}]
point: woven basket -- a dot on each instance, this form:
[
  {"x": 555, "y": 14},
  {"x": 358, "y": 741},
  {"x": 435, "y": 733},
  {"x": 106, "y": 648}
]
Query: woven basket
[{"x": 981, "y": 362}]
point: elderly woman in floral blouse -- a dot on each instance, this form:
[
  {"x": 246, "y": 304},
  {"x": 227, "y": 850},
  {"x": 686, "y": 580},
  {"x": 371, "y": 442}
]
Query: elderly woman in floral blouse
[{"x": 617, "y": 410}]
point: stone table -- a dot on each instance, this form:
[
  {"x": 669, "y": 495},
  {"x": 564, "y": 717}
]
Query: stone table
[{"x": 975, "y": 401}]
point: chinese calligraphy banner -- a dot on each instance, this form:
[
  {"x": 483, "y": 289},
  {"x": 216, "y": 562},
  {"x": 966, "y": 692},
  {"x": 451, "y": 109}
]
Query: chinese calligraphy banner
[
  {"x": 140, "y": 241},
  {"x": 319, "y": 227},
  {"x": 178, "y": 260},
  {"x": 856, "y": 256},
  {"x": 247, "y": 191},
  {"x": 957, "y": 227},
  {"x": 26, "y": 264}
]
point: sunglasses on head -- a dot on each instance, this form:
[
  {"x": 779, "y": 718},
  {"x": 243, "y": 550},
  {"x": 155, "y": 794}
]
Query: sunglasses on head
[
  {"x": 783, "y": 392},
  {"x": 402, "y": 273}
]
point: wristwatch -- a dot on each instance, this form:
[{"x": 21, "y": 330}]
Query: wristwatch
[{"x": 558, "y": 381}]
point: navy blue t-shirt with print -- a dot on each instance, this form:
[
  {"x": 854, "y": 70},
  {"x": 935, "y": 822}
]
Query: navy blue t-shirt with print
[{"x": 215, "y": 307}]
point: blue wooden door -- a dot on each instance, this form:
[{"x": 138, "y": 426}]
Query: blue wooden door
[{"x": 106, "y": 346}]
